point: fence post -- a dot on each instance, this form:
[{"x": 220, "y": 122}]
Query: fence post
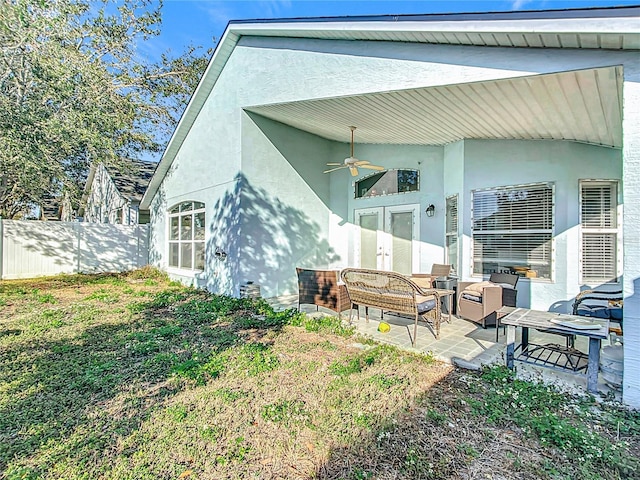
[{"x": 1, "y": 248}]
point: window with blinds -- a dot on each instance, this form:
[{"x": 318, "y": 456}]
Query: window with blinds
[
  {"x": 451, "y": 234},
  {"x": 599, "y": 230},
  {"x": 512, "y": 230}
]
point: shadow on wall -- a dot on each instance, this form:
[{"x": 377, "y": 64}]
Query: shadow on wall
[
  {"x": 158, "y": 207},
  {"x": 264, "y": 240}
]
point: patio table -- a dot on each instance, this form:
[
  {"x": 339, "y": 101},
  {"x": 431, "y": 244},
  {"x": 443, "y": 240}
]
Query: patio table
[
  {"x": 425, "y": 285},
  {"x": 544, "y": 322}
]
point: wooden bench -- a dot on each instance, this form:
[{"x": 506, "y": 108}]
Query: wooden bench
[{"x": 393, "y": 292}]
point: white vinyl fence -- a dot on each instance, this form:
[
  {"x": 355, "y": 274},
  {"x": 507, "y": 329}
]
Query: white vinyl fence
[{"x": 35, "y": 248}]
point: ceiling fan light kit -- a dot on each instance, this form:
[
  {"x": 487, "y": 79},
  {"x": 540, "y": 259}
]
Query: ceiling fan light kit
[{"x": 352, "y": 163}]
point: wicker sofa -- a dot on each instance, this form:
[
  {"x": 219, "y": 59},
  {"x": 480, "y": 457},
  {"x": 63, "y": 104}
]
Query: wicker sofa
[
  {"x": 322, "y": 288},
  {"x": 392, "y": 292}
]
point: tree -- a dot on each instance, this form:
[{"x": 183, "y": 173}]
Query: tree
[{"x": 74, "y": 90}]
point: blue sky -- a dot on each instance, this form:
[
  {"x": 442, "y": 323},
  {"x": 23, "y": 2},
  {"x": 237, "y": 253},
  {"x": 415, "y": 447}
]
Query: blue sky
[{"x": 202, "y": 22}]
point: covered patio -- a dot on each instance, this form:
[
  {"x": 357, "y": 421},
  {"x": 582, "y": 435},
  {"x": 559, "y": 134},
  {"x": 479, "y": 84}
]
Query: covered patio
[
  {"x": 463, "y": 343},
  {"x": 483, "y": 113}
]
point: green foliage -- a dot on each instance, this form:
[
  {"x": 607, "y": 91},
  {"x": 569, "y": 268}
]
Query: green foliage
[
  {"x": 347, "y": 367},
  {"x": 554, "y": 418},
  {"x": 47, "y": 319},
  {"x": 148, "y": 272},
  {"x": 177, "y": 412},
  {"x": 379, "y": 354},
  {"x": 288, "y": 412},
  {"x": 236, "y": 451},
  {"x": 228, "y": 395},
  {"x": 418, "y": 463},
  {"x": 436, "y": 417},
  {"x": 330, "y": 325},
  {"x": 43, "y": 297},
  {"x": 75, "y": 91},
  {"x": 104, "y": 295}
]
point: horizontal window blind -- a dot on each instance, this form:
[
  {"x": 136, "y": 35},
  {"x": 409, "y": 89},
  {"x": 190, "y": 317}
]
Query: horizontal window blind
[
  {"x": 534, "y": 249},
  {"x": 598, "y": 206},
  {"x": 513, "y": 230},
  {"x": 513, "y": 208},
  {"x": 452, "y": 215},
  {"x": 598, "y": 220},
  {"x": 599, "y": 257}
]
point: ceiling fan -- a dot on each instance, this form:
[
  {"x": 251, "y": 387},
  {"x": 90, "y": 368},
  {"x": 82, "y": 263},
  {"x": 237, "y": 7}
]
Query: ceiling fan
[{"x": 352, "y": 163}]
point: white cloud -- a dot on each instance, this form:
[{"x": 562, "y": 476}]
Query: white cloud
[{"x": 518, "y": 4}]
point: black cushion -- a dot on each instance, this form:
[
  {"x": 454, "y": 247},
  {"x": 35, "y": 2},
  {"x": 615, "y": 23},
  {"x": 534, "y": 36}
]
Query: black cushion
[
  {"x": 600, "y": 311},
  {"x": 426, "y": 306}
]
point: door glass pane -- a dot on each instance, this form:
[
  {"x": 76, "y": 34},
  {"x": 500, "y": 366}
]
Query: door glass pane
[
  {"x": 401, "y": 235},
  {"x": 186, "y": 250},
  {"x": 185, "y": 227},
  {"x": 368, "y": 240}
]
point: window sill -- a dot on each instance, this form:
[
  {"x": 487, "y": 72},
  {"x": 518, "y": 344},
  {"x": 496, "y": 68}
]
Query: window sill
[{"x": 183, "y": 272}]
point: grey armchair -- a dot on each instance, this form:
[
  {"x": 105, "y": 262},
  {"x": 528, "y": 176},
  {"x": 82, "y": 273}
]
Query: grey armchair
[{"x": 479, "y": 301}]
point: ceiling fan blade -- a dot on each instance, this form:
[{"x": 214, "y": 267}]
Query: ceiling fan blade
[
  {"x": 334, "y": 169},
  {"x": 353, "y": 170},
  {"x": 371, "y": 167},
  {"x": 361, "y": 162},
  {"x": 334, "y": 164}
]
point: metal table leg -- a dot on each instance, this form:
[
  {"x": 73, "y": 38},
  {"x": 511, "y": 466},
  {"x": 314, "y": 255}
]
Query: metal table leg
[
  {"x": 593, "y": 365},
  {"x": 511, "y": 345}
]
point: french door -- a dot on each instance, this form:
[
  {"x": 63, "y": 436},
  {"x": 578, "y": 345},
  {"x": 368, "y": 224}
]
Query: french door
[{"x": 387, "y": 238}]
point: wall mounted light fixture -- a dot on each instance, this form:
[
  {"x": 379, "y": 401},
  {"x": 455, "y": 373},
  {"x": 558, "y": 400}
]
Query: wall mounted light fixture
[{"x": 431, "y": 210}]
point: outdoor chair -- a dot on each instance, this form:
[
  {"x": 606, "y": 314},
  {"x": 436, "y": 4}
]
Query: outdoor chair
[
  {"x": 479, "y": 301},
  {"x": 437, "y": 270},
  {"x": 322, "y": 288},
  {"x": 601, "y": 304}
]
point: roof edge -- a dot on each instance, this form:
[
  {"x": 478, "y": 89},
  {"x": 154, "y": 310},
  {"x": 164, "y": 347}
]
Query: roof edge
[
  {"x": 237, "y": 28},
  {"x": 543, "y": 14}
]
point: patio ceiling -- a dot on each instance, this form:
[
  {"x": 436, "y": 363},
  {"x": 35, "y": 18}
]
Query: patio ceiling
[{"x": 583, "y": 106}]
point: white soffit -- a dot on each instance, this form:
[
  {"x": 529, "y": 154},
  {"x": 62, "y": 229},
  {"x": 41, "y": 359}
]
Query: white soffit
[
  {"x": 612, "y": 33},
  {"x": 583, "y": 106}
]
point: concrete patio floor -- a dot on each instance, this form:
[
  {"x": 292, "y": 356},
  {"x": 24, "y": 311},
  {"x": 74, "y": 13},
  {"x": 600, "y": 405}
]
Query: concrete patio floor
[{"x": 462, "y": 343}]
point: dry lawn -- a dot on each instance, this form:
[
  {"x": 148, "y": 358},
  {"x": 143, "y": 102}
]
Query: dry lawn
[{"x": 131, "y": 377}]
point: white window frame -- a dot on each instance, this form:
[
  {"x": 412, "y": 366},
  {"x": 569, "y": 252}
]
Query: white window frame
[
  {"x": 615, "y": 230},
  {"x": 548, "y": 231},
  {"x": 179, "y": 214}
]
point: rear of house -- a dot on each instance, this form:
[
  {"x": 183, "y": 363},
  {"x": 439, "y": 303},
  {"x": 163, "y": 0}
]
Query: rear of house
[{"x": 508, "y": 142}]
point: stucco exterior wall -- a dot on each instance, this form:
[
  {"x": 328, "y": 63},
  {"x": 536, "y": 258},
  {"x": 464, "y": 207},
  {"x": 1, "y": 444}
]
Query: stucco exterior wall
[
  {"x": 631, "y": 219},
  {"x": 453, "y": 181},
  {"x": 229, "y": 151},
  {"x": 492, "y": 163},
  {"x": 427, "y": 160}
]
